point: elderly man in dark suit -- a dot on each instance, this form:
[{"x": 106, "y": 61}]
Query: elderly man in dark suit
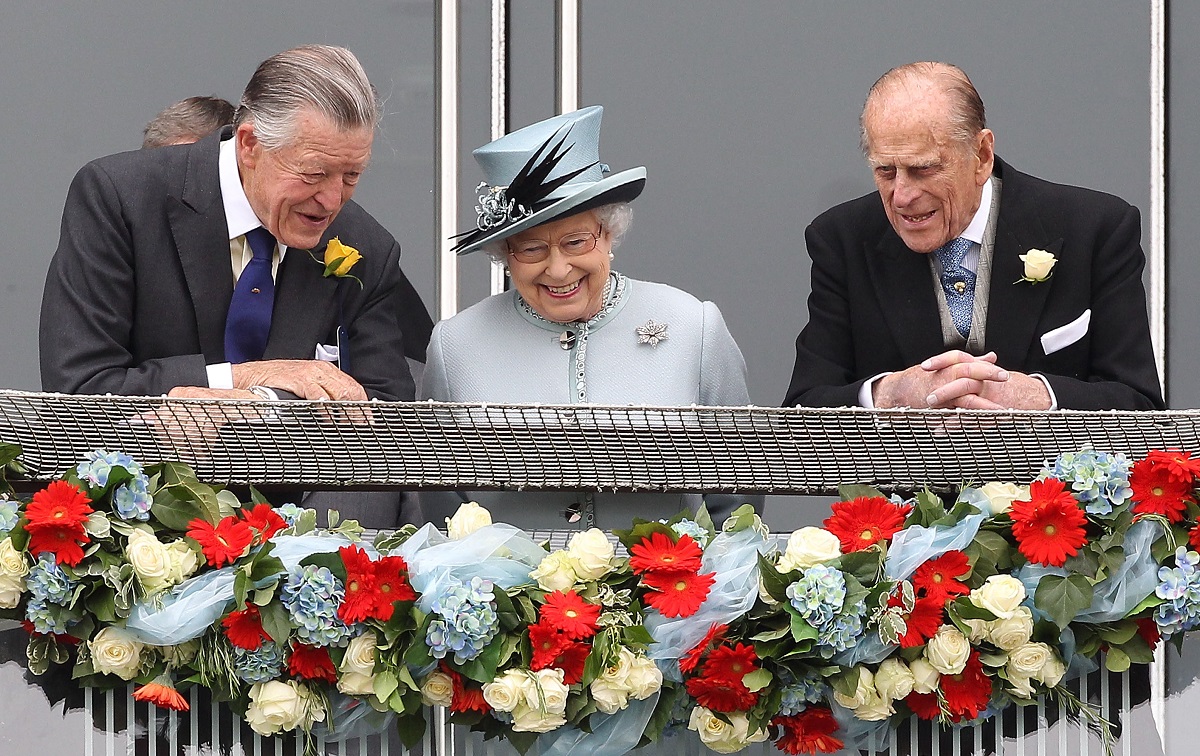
[
  {"x": 965, "y": 283},
  {"x": 200, "y": 270}
]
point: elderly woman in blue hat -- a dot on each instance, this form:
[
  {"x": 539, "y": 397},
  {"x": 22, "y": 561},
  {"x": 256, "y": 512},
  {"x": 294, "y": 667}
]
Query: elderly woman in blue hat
[{"x": 572, "y": 329}]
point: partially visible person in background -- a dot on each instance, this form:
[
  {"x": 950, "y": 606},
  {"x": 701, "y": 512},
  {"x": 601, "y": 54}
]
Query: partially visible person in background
[{"x": 187, "y": 121}]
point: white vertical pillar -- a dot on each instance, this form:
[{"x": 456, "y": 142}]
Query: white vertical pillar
[
  {"x": 446, "y": 156},
  {"x": 566, "y": 80},
  {"x": 499, "y": 100}
]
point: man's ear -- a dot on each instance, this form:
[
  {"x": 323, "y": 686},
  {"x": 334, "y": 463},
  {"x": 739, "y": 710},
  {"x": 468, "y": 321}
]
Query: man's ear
[
  {"x": 249, "y": 149},
  {"x": 985, "y": 152}
]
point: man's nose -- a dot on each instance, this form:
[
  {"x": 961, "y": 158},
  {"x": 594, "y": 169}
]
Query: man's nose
[{"x": 905, "y": 191}]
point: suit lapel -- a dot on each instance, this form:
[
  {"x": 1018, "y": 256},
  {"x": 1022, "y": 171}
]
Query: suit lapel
[
  {"x": 304, "y": 299},
  {"x": 904, "y": 288}
]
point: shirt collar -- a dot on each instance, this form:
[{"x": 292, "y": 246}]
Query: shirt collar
[
  {"x": 239, "y": 215},
  {"x": 978, "y": 224}
]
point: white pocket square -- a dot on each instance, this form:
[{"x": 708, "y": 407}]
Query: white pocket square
[
  {"x": 327, "y": 353},
  {"x": 1064, "y": 336}
]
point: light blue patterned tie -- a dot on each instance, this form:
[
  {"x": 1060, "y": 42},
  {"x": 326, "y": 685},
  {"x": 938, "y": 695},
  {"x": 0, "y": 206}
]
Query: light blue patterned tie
[{"x": 958, "y": 282}]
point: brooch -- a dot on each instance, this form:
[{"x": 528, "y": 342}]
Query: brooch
[{"x": 651, "y": 333}]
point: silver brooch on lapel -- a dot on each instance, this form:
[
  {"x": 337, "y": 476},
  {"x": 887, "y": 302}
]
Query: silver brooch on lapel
[{"x": 651, "y": 333}]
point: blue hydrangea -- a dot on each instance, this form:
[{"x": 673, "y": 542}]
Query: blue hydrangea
[
  {"x": 1179, "y": 588},
  {"x": 99, "y": 464},
  {"x": 311, "y": 597},
  {"x": 9, "y": 515},
  {"x": 45, "y": 616},
  {"x": 839, "y": 634},
  {"x": 290, "y": 513},
  {"x": 466, "y": 621},
  {"x": 694, "y": 529},
  {"x": 261, "y": 665},
  {"x": 132, "y": 500},
  {"x": 798, "y": 693},
  {"x": 50, "y": 591},
  {"x": 818, "y": 595},
  {"x": 1100, "y": 481}
]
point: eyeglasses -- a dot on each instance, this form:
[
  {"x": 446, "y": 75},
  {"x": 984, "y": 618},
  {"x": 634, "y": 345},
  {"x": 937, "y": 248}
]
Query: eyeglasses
[{"x": 571, "y": 245}]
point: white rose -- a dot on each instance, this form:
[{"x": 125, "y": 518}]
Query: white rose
[
  {"x": 609, "y": 697},
  {"x": 1022, "y": 687},
  {"x": 618, "y": 673},
  {"x": 506, "y": 691},
  {"x": 437, "y": 689},
  {"x": 1012, "y": 632},
  {"x": 150, "y": 561},
  {"x": 12, "y": 562},
  {"x": 644, "y": 678},
  {"x": 809, "y": 546},
  {"x": 1029, "y": 659},
  {"x": 1052, "y": 673},
  {"x": 546, "y": 690},
  {"x": 555, "y": 572},
  {"x": 925, "y": 677},
  {"x": 278, "y": 706},
  {"x": 591, "y": 554},
  {"x": 526, "y": 719},
  {"x": 11, "y": 589},
  {"x": 722, "y": 737},
  {"x": 1038, "y": 264},
  {"x": 1000, "y": 595},
  {"x": 1002, "y": 495},
  {"x": 358, "y": 666},
  {"x": 469, "y": 518},
  {"x": 875, "y": 710},
  {"x": 184, "y": 561},
  {"x": 977, "y": 630},
  {"x": 862, "y": 694},
  {"x": 180, "y": 654},
  {"x": 948, "y": 650},
  {"x": 115, "y": 652},
  {"x": 894, "y": 680}
]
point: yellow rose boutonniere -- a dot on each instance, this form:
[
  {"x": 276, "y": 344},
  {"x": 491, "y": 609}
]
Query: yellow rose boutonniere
[
  {"x": 340, "y": 259},
  {"x": 1038, "y": 264}
]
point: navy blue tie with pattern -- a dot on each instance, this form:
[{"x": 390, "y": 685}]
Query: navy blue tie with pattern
[
  {"x": 958, "y": 282},
  {"x": 249, "y": 321}
]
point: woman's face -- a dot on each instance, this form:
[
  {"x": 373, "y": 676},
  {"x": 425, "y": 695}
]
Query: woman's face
[{"x": 556, "y": 272}]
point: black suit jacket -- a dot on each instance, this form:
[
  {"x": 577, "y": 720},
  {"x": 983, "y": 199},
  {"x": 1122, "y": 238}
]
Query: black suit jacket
[
  {"x": 873, "y": 307},
  {"x": 137, "y": 293}
]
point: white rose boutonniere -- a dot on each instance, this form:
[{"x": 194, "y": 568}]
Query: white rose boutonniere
[{"x": 1038, "y": 265}]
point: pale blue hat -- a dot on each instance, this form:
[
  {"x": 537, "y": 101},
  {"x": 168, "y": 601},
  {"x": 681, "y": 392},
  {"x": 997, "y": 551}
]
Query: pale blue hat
[{"x": 543, "y": 172}]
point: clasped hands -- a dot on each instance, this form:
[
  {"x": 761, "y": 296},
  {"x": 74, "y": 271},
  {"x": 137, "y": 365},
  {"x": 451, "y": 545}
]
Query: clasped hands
[{"x": 956, "y": 379}]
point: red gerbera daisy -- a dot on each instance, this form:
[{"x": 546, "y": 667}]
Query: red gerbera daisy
[
  {"x": 1050, "y": 526},
  {"x": 924, "y": 705},
  {"x": 1179, "y": 463},
  {"x": 939, "y": 577},
  {"x": 967, "y": 693},
  {"x": 726, "y": 663},
  {"x": 923, "y": 621},
  {"x": 570, "y": 614},
  {"x": 391, "y": 585},
  {"x": 58, "y": 637},
  {"x": 810, "y": 731},
  {"x": 464, "y": 698},
  {"x": 865, "y": 521},
  {"x": 359, "y": 602},
  {"x": 244, "y": 629},
  {"x": 677, "y": 594},
  {"x": 265, "y": 521},
  {"x": 1157, "y": 491},
  {"x": 223, "y": 543},
  {"x": 1148, "y": 629},
  {"x": 162, "y": 695},
  {"x": 547, "y": 644},
  {"x": 59, "y": 505},
  {"x": 720, "y": 694},
  {"x": 64, "y": 543},
  {"x": 688, "y": 662},
  {"x": 571, "y": 660},
  {"x": 311, "y": 663},
  {"x": 658, "y": 553}
]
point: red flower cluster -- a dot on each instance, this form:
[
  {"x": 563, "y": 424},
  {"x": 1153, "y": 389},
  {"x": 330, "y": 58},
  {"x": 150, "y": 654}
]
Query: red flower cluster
[
  {"x": 244, "y": 629},
  {"x": 55, "y": 521},
  {"x": 1050, "y": 526},
  {"x": 938, "y": 578},
  {"x": 563, "y": 622},
  {"x": 373, "y": 588},
  {"x": 688, "y": 662},
  {"x": 223, "y": 543},
  {"x": 311, "y": 663},
  {"x": 965, "y": 695},
  {"x": 923, "y": 621},
  {"x": 866, "y": 521},
  {"x": 1162, "y": 484},
  {"x": 464, "y": 698},
  {"x": 719, "y": 686},
  {"x": 265, "y": 521},
  {"x": 810, "y": 731},
  {"x": 671, "y": 569}
]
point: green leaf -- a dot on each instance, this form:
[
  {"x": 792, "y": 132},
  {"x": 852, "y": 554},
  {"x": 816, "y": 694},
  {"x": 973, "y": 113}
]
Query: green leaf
[
  {"x": 865, "y": 566},
  {"x": 1118, "y": 633},
  {"x": 801, "y": 630},
  {"x": 757, "y": 680},
  {"x": 1061, "y": 598},
  {"x": 1086, "y": 562},
  {"x": 742, "y": 518},
  {"x": 411, "y": 728},
  {"x": 846, "y": 683},
  {"x": 331, "y": 561},
  {"x": 384, "y": 684},
  {"x": 173, "y": 512},
  {"x": 988, "y": 554},
  {"x": 929, "y": 509},
  {"x": 858, "y": 490},
  {"x": 773, "y": 580},
  {"x": 275, "y": 621},
  {"x": 1116, "y": 660},
  {"x": 637, "y": 635}
]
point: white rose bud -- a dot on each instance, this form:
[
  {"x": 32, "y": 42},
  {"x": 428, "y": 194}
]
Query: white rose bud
[
  {"x": 506, "y": 691},
  {"x": 644, "y": 678},
  {"x": 555, "y": 572},
  {"x": 1052, "y": 673},
  {"x": 12, "y": 562},
  {"x": 526, "y": 719},
  {"x": 358, "y": 666},
  {"x": 184, "y": 561},
  {"x": 554, "y": 690},
  {"x": 609, "y": 697},
  {"x": 1012, "y": 632},
  {"x": 150, "y": 560},
  {"x": 862, "y": 694},
  {"x": 722, "y": 737},
  {"x": 807, "y": 547},
  {"x": 11, "y": 590},
  {"x": 1002, "y": 495},
  {"x": 469, "y": 518},
  {"x": 1022, "y": 687},
  {"x": 948, "y": 650},
  {"x": 1029, "y": 659},
  {"x": 1038, "y": 264},
  {"x": 894, "y": 680},
  {"x": 437, "y": 689},
  {"x": 875, "y": 710},
  {"x": 591, "y": 554},
  {"x": 977, "y": 630},
  {"x": 115, "y": 652},
  {"x": 1000, "y": 595},
  {"x": 925, "y": 677},
  {"x": 278, "y": 706}
]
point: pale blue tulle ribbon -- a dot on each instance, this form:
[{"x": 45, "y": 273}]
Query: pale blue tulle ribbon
[{"x": 611, "y": 735}]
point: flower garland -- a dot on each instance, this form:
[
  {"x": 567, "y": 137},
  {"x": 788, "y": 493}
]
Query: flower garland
[{"x": 947, "y": 610}]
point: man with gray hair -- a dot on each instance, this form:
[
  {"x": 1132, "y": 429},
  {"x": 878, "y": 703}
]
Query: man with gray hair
[
  {"x": 238, "y": 266},
  {"x": 965, "y": 283},
  {"x": 187, "y": 121}
]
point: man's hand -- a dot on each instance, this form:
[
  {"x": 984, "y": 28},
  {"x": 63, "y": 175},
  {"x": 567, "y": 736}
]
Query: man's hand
[
  {"x": 956, "y": 379},
  {"x": 307, "y": 379}
]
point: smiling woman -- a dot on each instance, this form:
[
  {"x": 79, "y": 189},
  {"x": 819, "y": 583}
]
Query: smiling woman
[{"x": 572, "y": 330}]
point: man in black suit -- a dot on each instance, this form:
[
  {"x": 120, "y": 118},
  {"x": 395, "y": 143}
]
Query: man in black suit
[
  {"x": 154, "y": 242},
  {"x": 965, "y": 283}
]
